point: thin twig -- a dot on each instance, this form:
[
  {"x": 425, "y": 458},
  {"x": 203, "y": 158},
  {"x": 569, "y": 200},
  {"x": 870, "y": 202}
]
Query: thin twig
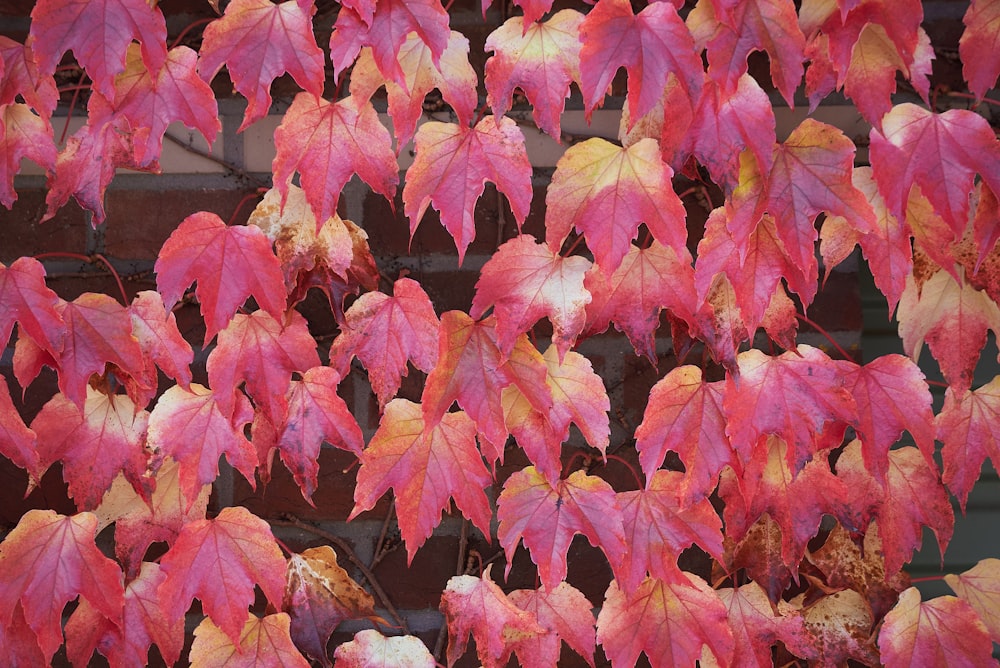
[
  {"x": 380, "y": 550},
  {"x": 235, "y": 169},
  {"x": 348, "y": 552}
]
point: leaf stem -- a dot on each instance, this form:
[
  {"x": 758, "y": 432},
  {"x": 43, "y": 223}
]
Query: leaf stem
[
  {"x": 188, "y": 28},
  {"x": 627, "y": 464},
  {"x": 929, "y": 578},
  {"x": 90, "y": 259},
  {"x": 239, "y": 205},
  {"x": 819, "y": 328}
]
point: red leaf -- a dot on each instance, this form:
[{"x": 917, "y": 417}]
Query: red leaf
[
  {"x": 658, "y": 528},
  {"x": 978, "y": 47},
  {"x": 952, "y": 319},
  {"x": 684, "y": 415},
  {"x": 477, "y": 606},
  {"x": 385, "y": 332},
  {"x": 25, "y": 299},
  {"x": 259, "y": 642},
  {"x": 98, "y": 32},
  {"x": 386, "y": 31},
  {"x": 940, "y": 153},
  {"x": 793, "y": 395},
  {"x": 17, "y": 442},
  {"x": 327, "y": 143},
  {"x": 261, "y": 351},
  {"x": 566, "y": 614},
  {"x": 426, "y": 464},
  {"x": 647, "y": 281},
  {"x": 189, "y": 426},
  {"x": 451, "y": 168},
  {"x": 316, "y": 414},
  {"x": 548, "y": 517},
  {"x": 891, "y": 395},
  {"x": 835, "y": 629},
  {"x": 755, "y": 624},
  {"x": 605, "y": 191},
  {"x": 980, "y": 587},
  {"x": 453, "y": 76},
  {"x": 259, "y": 41},
  {"x": 796, "y": 501},
  {"x": 967, "y": 425},
  {"x": 143, "y": 623},
  {"x": 758, "y": 25},
  {"x": 22, "y": 135},
  {"x": 160, "y": 340},
  {"x": 651, "y": 46},
  {"x": 524, "y": 281},
  {"x": 913, "y": 497},
  {"x": 371, "y": 649},
  {"x": 472, "y": 371},
  {"x": 46, "y": 561},
  {"x": 139, "y": 523},
  {"x": 923, "y": 633},
  {"x": 20, "y": 76},
  {"x": 219, "y": 561},
  {"x": 319, "y": 595},
  {"x": 98, "y": 332},
  {"x": 94, "y": 445},
  {"x": 541, "y": 59},
  {"x": 153, "y": 99},
  {"x": 229, "y": 264},
  {"x": 672, "y": 623}
]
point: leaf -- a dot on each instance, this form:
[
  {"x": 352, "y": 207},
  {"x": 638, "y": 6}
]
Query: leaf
[
  {"x": 219, "y": 560},
  {"x": 477, "y": 606},
  {"x": 977, "y": 46},
  {"x": 755, "y": 624},
  {"x": 159, "y": 339},
  {"x": 259, "y": 41},
  {"x": 453, "y": 76},
  {"x": 472, "y": 371},
  {"x": 94, "y": 445},
  {"x": 316, "y": 414},
  {"x": 837, "y": 628},
  {"x": 189, "y": 426},
  {"x": 605, "y": 191},
  {"x": 952, "y": 318},
  {"x": 451, "y": 168},
  {"x": 385, "y": 333},
  {"x": 370, "y": 649},
  {"x": 143, "y": 624},
  {"x": 566, "y": 614},
  {"x": 22, "y": 135},
  {"x": 229, "y": 264},
  {"x": 261, "y": 351},
  {"x": 761, "y": 554},
  {"x": 541, "y": 59},
  {"x": 140, "y": 523},
  {"x": 547, "y": 517},
  {"x": 319, "y": 595},
  {"x": 26, "y": 300},
  {"x": 913, "y": 497},
  {"x": 46, "y": 561},
  {"x": 980, "y": 588},
  {"x": 17, "y": 441},
  {"x": 916, "y": 632},
  {"x": 20, "y": 76},
  {"x": 793, "y": 395},
  {"x": 426, "y": 464},
  {"x": 259, "y": 642},
  {"x": 891, "y": 396},
  {"x": 525, "y": 281},
  {"x": 670, "y": 622},
  {"x": 98, "y": 32},
  {"x": 98, "y": 333},
  {"x": 758, "y": 25},
  {"x": 795, "y": 500},
  {"x": 327, "y": 143},
  {"x": 386, "y": 31},
  {"x": 651, "y": 45},
  {"x": 658, "y": 528},
  {"x": 940, "y": 153},
  {"x": 967, "y": 427},
  {"x": 647, "y": 281},
  {"x": 684, "y": 415}
]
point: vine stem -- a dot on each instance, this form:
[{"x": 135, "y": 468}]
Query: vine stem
[
  {"x": 191, "y": 26},
  {"x": 929, "y": 578},
  {"x": 627, "y": 464},
  {"x": 380, "y": 544},
  {"x": 90, "y": 259},
  {"x": 967, "y": 96},
  {"x": 239, "y": 205},
  {"x": 819, "y": 328},
  {"x": 348, "y": 552}
]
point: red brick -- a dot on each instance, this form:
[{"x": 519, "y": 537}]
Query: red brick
[
  {"x": 24, "y": 235},
  {"x": 139, "y": 221}
]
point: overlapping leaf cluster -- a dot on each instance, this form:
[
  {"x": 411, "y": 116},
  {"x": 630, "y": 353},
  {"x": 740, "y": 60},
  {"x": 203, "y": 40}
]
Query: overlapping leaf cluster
[{"x": 782, "y": 440}]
